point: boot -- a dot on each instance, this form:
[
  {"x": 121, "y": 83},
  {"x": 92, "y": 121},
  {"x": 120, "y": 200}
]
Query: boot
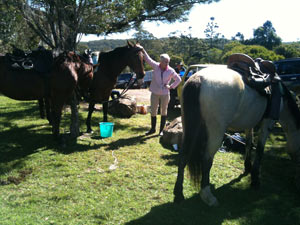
[
  {"x": 153, "y": 125},
  {"x": 162, "y": 124}
]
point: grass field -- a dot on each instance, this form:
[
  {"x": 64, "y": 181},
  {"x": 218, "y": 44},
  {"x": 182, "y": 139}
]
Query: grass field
[{"x": 128, "y": 178}]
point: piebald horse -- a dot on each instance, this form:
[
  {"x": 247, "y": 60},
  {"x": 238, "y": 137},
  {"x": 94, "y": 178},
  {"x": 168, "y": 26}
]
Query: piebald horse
[{"x": 214, "y": 100}]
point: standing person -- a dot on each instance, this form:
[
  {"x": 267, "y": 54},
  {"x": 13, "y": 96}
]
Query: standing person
[
  {"x": 88, "y": 55},
  {"x": 160, "y": 88},
  {"x": 180, "y": 68}
]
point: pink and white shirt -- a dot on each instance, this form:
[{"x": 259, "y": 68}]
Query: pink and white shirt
[{"x": 161, "y": 78}]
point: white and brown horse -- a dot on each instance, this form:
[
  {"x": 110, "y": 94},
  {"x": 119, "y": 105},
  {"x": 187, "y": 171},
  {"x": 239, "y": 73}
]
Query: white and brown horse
[{"x": 214, "y": 100}]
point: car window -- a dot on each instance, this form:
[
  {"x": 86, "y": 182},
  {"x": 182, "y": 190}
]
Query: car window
[
  {"x": 285, "y": 68},
  {"x": 124, "y": 76}
]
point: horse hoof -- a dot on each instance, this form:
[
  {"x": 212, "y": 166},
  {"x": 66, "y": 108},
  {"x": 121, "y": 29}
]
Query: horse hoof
[
  {"x": 178, "y": 198},
  {"x": 255, "y": 185},
  {"x": 207, "y": 197},
  {"x": 89, "y": 130}
]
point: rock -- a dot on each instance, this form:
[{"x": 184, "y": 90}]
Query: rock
[
  {"x": 123, "y": 107},
  {"x": 173, "y": 133}
]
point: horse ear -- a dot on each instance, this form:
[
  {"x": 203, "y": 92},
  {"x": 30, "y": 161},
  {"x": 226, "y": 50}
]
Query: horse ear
[{"x": 130, "y": 44}]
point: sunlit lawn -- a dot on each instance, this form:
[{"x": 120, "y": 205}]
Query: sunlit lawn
[{"x": 128, "y": 178}]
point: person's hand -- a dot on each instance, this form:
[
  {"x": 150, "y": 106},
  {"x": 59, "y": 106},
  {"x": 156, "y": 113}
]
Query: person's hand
[
  {"x": 168, "y": 86},
  {"x": 139, "y": 46}
]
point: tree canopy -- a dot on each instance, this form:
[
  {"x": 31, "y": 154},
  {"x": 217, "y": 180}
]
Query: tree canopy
[
  {"x": 59, "y": 23},
  {"x": 266, "y": 36}
]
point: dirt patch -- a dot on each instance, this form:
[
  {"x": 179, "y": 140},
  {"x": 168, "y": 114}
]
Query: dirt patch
[
  {"x": 17, "y": 179},
  {"x": 142, "y": 95}
]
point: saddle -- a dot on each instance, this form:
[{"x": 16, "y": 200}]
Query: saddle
[
  {"x": 258, "y": 74},
  {"x": 39, "y": 60}
]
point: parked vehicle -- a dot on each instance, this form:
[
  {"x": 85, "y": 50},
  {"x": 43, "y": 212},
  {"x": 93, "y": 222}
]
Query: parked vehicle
[
  {"x": 124, "y": 79},
  {"x": 147, "y": 78},
  {"x": 289, "y": 72},
  {"x": 287, "y": 69},
  {"x": 174, "y": 93}
]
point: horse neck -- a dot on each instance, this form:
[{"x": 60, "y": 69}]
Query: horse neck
[
  {"x": 289, "y": 125},
  {"x": 117, "y": 63}
]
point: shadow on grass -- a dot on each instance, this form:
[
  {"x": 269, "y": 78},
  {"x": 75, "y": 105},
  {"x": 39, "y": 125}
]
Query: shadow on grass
[
  {"x": 172, "y": 159},
  {"x": 173, "y": 114},
  {"x": 132, "y": 141},
  {"x": 237, "y": 205},
  {"x": 276, "y": 202}
]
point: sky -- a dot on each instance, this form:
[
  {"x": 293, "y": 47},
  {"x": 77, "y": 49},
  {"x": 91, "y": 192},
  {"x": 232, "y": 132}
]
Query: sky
[{"x": 232, "y": 16}]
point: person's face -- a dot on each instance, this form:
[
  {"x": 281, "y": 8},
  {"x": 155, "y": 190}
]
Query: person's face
[{"x": 164, "y": 64}]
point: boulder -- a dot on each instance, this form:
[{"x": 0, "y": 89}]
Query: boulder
[
  {"x": 173, "y": 133},
  {"x": 123, "y": 107}
]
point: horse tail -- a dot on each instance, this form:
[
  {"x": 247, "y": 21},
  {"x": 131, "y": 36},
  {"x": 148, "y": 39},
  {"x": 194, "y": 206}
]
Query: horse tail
[
  {"x": 292, "y": 105},
  {"x": 195, "y": 131}
]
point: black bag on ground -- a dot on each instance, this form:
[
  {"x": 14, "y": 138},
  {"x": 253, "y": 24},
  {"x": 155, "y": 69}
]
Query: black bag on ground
[{"x": 234, "y": 143}]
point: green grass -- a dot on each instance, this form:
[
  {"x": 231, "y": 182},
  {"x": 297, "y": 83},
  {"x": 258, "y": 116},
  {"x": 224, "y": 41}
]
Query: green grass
[{"x": 41, "y": 183}]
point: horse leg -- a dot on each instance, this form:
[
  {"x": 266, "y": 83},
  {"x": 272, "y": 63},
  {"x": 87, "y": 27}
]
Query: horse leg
[
  {"x": 265, "y": 129},
  {"x": 213, "y": 144},
  {"x": 74, "y": 127},
  {"x": 205, "y": 193},
  {"x": 297, "y": 176},
  {"x": 56, "y": 117},
  {"x": 178, "y": 189},
  {"x": 48, "y": 112},
  {"x": 249, "y": 139},
  {"x": 88, "y": 119},
  {"x": 41, "y": 107},
  {"x": 105, "y": 111}
]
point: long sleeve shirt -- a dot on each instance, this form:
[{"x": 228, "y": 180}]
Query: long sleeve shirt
[{"x": 161, "y": 78}]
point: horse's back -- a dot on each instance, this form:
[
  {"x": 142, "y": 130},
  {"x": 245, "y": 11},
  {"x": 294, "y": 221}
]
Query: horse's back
[
  {"x": 20, "y": 85},
  {"x": 225, "y": 100}
]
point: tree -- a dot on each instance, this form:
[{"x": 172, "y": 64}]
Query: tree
[
  {"x": 254, "y": 51},
  {"x": 142, "y": 34},
  {"x": 14, "y": 30},
  {"x": 288, "y": 50},
  {"x": 59, "y": 23},
  {"x": 266, "y": 36},
  {"x": 211, "y": 31},
  {"x": 239, "y": 37}
]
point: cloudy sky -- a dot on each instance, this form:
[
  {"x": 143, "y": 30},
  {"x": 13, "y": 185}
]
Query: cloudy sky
[{"x": 232, "y": 16}]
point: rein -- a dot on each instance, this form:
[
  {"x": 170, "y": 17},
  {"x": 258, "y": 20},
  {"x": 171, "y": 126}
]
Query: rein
[{"x": 129, "y": 84}]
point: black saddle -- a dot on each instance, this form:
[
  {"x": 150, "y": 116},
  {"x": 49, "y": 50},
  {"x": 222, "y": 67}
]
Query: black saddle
[
  {"x": 40, "y": 60},
  {"x": 258, "y": 74}
]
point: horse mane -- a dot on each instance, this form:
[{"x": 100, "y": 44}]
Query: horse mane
[
  {"x": 106, "y": 57},
  {"x": 68, "y": 56},
  {"x": 292, "y": 105}
]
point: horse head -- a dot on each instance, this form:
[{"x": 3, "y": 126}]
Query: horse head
[
  {"x": 85, "y": 73},
  {"x": 136, "y": 59},
  {"x": 78, "y": 68}
]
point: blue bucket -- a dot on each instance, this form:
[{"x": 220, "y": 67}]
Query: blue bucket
[{"x": 106, "y": 129}]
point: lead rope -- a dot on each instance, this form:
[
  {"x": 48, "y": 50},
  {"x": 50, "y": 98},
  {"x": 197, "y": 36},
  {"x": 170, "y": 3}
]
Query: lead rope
[{"x": 129, "y": 84}]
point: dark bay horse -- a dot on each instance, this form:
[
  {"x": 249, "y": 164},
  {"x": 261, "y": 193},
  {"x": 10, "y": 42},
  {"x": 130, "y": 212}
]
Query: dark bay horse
[
  {"x": 216, "y": 99},
  {"x": 57, "y": 86},
  {"x": 111, "y": 64}
]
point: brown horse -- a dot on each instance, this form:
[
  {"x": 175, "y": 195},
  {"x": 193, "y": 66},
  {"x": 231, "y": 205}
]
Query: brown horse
[
  {"x": 57, "y": 86},
  {"x": 111, "y": 64}
]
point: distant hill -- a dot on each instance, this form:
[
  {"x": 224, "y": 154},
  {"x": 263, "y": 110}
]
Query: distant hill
[{"x": 105, "y": 45}]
